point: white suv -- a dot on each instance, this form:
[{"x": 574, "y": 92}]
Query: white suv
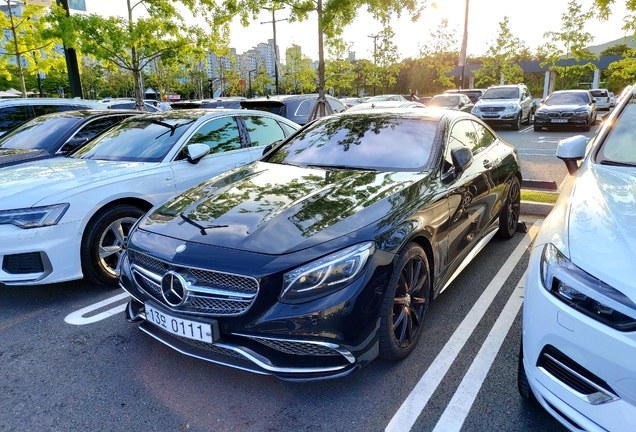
[
  {"x": 578, "y": 352},
  {"x": 602, "y": 98},
  {"x": 506, "y": 104}
]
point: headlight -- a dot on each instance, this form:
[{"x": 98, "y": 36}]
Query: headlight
[
  {"x": 475, "y": 109},
  {"x": 581, "y": 113},
  {"x": 325, "y": 275},
  {"x": 513, "y": 107},
  {"x": 541, "y": 114},
  {"x": 34, "y": 217},
  {"x": 584, "y": 292}
]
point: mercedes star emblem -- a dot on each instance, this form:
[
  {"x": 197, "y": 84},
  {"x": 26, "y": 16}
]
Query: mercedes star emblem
[{"x": 174, "y": 288}]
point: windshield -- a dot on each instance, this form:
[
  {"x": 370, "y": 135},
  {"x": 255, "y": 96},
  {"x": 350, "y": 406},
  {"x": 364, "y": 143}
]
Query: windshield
[
  {"x": 619, "y": 145},
  {"x": 379, "y": 98},
  {"x": 40, "y": 133},
  {"x": 444, "y": 101},
  {"x": 136, "y": 140},
  {"x": 570, "y": 98},
  {"x": 367, "y": 141},
  {"x": 599, "y": 93},
  {"x": 501, "y": 93}
]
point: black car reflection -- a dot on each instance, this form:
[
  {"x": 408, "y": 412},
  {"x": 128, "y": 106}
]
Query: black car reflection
[{"x": 326, "y": 253}]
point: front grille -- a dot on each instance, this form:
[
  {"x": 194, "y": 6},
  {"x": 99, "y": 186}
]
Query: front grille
[
  {"x": 297, "y": 348},
  {"x": 560, "y": 115},
  {"x": 572, "y": 375},
  {"x": 210, "y": 292},
  {"x": 23, "y": 263}
]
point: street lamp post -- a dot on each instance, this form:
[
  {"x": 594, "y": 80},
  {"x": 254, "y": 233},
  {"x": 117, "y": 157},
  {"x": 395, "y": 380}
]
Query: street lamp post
[
  {"x": 273, "y": 21},
  {"x": 462, "y": 55},
  {"x": 375, "y": 49}
]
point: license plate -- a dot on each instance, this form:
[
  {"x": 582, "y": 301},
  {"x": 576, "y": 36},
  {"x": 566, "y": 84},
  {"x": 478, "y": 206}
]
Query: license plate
[
  {"x": 491, "y": 115},
  {"x": 559, "y": 120},
  {"x": 179, "y": 326}
]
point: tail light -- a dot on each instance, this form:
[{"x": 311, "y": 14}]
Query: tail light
[{"x": 608, "y": 99}]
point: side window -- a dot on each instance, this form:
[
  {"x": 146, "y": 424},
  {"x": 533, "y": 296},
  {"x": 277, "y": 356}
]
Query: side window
[
  {"x": 221, "y": 135},
  {"x": 336, "y": 105},
  {"x": 464, "y": 132},
  {"x": 96, "y": 127},
  {"x": 305, "y": 107},
  {"x": 83, "y": 107},
  {"x": 11, "y": 117},
  {"x": 51, "y": 109},
  {"x": 484, "y": 138},
  {"x": 290, "y": 130},
  {"x": 263, "y": 130}
]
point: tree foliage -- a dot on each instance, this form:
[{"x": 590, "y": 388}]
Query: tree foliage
[
  {"x": 439, "y": 55},
  {"x": 133, "y": 42},
  {"x": 298, "y": 74},
  {"x": 500, "y": 58},
  {"x": 339, "y": 70},
  {"x": 26, "y": 41},
  {"x": 387, "y": 58}
]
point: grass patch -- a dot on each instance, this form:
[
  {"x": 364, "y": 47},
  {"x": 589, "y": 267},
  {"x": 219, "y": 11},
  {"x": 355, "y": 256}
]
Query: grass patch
[{"x": 542, "y": 197}]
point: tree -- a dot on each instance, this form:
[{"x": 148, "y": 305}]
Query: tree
[
  {"x": 615, "y": 50},
  {"x": 339, "y": 71},
  {"x": 570, "y": 42},
  {"x": 387, "y": 58},
  {"x": 333, "y": 16},
  {"x": 134, "y": 42},
  {"x": 500, "y": 57},
  {"x": 440, "y": 55},
  {"x": 261, "y": 80},
  {"x": 26, "y": 41},
  {"x": 299, "y": 76}
]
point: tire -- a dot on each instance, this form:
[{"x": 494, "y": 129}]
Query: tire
[
  {"x": 587, "y": 126},
  {"x": 102, "y": 231},
  {"x": 517, "y": 123},
  {"x": 529, "y": 120},
  {"x": 522, "y": 379},
  {"x": 405, "y": 303},
  {"x": 509, "y": 216}
]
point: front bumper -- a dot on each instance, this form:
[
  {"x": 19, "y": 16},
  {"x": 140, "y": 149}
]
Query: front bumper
[
  {"x": 325, "y": 338},
  {"x": 40, "y": 255},
  {"x": 569, "y": 121},
  {"x": 602, "y": 355},
  {"x": 497, "y": 117}
]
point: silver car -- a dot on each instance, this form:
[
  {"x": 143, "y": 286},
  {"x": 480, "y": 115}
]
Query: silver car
[{"x": 506, "y": 104}]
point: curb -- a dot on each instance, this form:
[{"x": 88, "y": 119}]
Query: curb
[{"x": 535, "y": 208}]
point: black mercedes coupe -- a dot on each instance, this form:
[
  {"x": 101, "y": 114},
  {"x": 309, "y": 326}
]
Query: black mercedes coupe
[{"x": 326, "y": 253}]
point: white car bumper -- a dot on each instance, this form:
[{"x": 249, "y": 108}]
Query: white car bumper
[
  {"x": 603, "y": 354},
  {"x": 40, "y": 255}
]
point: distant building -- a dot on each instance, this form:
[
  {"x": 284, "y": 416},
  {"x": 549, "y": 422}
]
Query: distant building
[{"x": 352, "y": 56}]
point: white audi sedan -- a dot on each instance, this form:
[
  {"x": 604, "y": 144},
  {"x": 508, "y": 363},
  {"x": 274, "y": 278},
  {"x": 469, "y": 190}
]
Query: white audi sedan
[
  {"x": 65, "y": 218},
  {"x": 578, "y": 350}
]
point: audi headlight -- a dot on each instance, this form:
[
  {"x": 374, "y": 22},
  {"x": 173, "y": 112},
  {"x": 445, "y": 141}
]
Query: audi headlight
[
  {"x": 513, "y": 107},
  {"x": 583, "y": 113},
  {"x": 585, "y": 293},
  {"x": 34, "y": 217},
  {"x": 325, "y": 275}
]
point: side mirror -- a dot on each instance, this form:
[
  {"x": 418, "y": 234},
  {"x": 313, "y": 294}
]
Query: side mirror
[
  {"x": 268, "y": 147},
  {"x": 572, "y": 150},
  {"x": 72, "y": 145},
  {"x": 462, "y": 158},
  {"x": 197, "y": 152}
]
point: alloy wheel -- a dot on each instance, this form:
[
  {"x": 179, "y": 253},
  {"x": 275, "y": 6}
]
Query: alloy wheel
[
  {"x": 409, "y": 303},
  {"x": 514, "y": 204},
  {"x": 112, "y": 243}
]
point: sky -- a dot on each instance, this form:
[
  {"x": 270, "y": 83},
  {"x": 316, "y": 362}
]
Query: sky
[{"x": 529, "y": 20}]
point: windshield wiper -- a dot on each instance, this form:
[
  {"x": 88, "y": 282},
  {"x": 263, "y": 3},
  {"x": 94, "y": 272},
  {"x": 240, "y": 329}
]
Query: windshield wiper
[
  {"x": 201, "y": 227},
  {"x": 169, "y": 126},
  {"x": 345, "y": 167},
  {"x": 616, "y": 163}
]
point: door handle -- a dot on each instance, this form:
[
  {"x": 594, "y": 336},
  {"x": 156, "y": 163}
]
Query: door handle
[{"x": 487, "y": 164}]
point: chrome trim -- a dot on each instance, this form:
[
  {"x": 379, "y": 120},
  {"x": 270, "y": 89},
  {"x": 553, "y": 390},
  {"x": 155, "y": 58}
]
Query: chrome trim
[
  {"x": 600, "y": 397},
  {"x": 255, "y": 358},
  {"x": 482, "y": 243},
  {"x": 129, "y": 292},
  {"x": 343, "y": 351}
]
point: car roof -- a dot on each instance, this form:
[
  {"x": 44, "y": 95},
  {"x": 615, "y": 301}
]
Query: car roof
[
  {"x": 86, "y": 114},
  {"x": 427, "y": 114},
  {"x": 384, "y": 104},
  {"x": 283, "y": 98},
  {"x": 195, "y": 114},
  {"x": 48, "y": 101}
]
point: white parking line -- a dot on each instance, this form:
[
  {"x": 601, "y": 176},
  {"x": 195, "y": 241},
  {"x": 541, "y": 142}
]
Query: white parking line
[
  {"x": 411, "y": 408},
  {"x": 457, "y": 410},
  {"x": 77, "y": 317},
  {"x": 526, "y": 130}
]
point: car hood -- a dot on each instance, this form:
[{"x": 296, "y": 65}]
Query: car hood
[
  {"x": 24, "y": 185},
  {"x": 14, "y": 156},
  {"x": 277, "y": 209},
  {"x": 482, "y": 103},
  {"x": 602, "y": 225},
  {"x": 559, "y": 108}
]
